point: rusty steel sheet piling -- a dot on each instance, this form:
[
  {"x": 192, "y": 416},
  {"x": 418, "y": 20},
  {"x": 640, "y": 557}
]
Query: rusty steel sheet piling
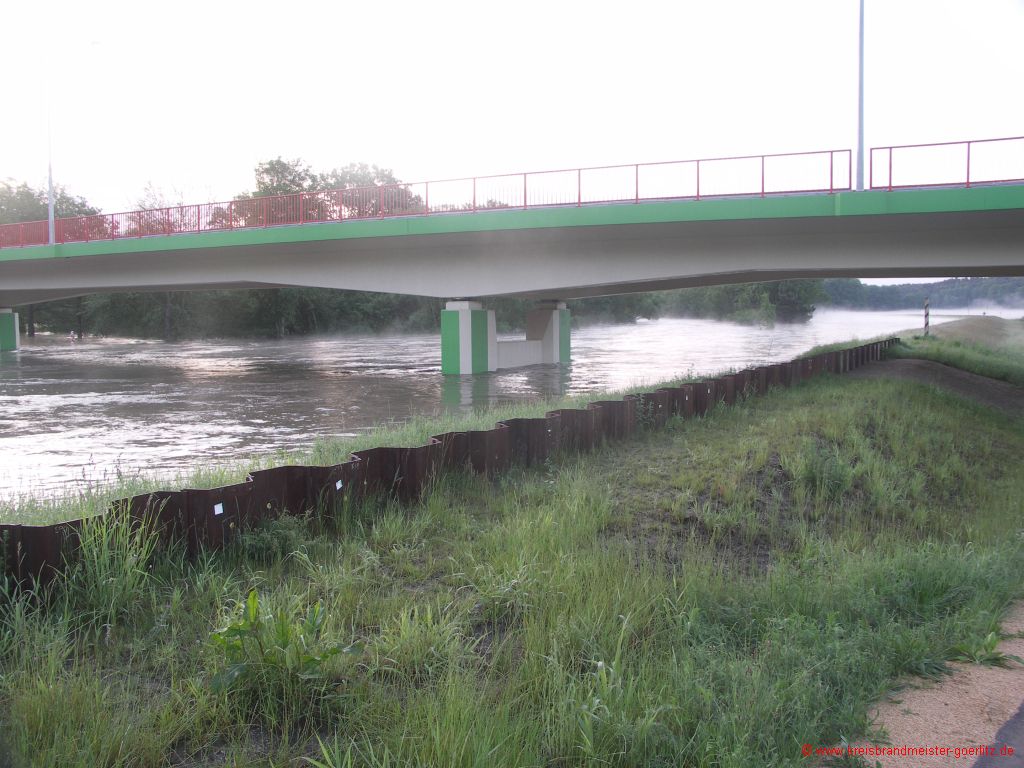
[
  {"x": 577, "y": 428},
  {"x": 720, "y": 391},
  {"x": 615, "y": 419},
  {"x": 532, "y": 441},
  {"x": 280, "y": 490},
  {"x": 791, "y": 373},
  {"x": 728, "y": 389},
  {"x": 745, "y": 382},
  {"x": 759, "y": 380},
  {"x": 328, "y": 488},
  {"x": 43, "y": 550},
  {"x": 553, "y": 435},
  {"x": 741, "y": 380},
  {"x": 631, "y": 415},
  {"x": 689, "y": 401},
  {"x": 655, "y": 408},
  {"x": 489, "y": 450},
  {"x": 454, "y": 449},
  {"x": 676, "y": 400},
  {"x": 10, "y": 549},
  {"x": 418, "y": 467},
  {"x": 381, "y": 470},
  {"x": 602, "y": 421},
  {"x": 217, "y": 514},
  {"x": 162, "y": 511},
  {"x": 401, "y": 473},
  {"x": 705, "y": 393}
]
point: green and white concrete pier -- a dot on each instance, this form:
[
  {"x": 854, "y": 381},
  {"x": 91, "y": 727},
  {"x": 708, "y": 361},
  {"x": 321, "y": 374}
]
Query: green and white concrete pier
[
  {"x": 9, "y": 332},
  {"x": 469, "y": 339}
]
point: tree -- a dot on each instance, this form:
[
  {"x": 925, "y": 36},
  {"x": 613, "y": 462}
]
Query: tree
[
  {"x": 356, "y": 190},
  {"x": 22, "y": 203},
  {"x": 748, "y": 302},
  {"x": 794, "y": 299}
]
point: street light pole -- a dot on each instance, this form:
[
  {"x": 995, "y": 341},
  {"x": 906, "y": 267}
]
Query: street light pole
[
  {"x": 860, "y": 104},
  {"x": 49, "y": 170}
]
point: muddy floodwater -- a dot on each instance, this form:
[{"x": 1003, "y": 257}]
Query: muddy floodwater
[{"x": 84, "y": 411}]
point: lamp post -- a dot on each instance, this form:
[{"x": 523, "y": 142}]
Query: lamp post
[
  {"x": 49, "y": 183},
  {"x": 860, "y": 104}
]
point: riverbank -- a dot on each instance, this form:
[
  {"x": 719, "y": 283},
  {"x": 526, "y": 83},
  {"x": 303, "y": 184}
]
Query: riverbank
[
  {"x": 718, "y": 592},
  {"x": 98, "y": 412}
]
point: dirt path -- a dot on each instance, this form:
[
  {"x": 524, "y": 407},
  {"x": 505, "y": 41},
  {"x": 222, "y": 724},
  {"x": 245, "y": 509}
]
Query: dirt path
[
  {"x": 967, "y": 709},
  {"x": 997, "y": 394}
]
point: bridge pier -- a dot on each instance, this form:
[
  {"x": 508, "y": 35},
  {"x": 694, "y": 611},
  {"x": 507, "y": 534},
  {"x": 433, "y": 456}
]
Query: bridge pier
[
  {"x": 9, "y": 332},
  {"x": 469, "y": 340}
]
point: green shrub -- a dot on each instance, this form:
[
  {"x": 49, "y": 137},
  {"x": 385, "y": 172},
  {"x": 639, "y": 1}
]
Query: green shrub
[{"x": 275, "y": 662}]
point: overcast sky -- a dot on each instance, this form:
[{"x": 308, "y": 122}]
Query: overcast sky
[{"x": 189, "y": 96}]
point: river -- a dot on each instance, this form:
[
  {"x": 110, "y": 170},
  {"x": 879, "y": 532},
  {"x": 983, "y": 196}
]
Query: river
[{"x": 86, "y": 411}]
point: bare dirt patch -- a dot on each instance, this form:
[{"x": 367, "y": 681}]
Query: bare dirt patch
[{"x": 996, "y": 394}]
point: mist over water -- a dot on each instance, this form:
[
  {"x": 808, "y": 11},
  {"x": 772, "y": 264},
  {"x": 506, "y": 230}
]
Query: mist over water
[{"x": 84, "y": 411}]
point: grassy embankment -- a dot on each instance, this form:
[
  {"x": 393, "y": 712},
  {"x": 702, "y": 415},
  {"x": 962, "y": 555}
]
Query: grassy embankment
[
  {"x": 713, "y": 594},
  {"x": 988, "y": 346},
  {"x": 985, "y": 345}
]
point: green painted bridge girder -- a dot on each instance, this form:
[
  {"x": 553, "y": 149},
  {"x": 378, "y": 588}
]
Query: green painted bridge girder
[
  {"x": 842, "y": 204},
  {"x": 559, "y": 253}
]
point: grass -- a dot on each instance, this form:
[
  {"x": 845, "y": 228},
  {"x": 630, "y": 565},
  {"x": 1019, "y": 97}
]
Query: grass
[{"x": 716, "y": 593}]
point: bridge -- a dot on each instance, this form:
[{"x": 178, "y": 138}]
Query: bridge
[{"x": 930, "y": 211}]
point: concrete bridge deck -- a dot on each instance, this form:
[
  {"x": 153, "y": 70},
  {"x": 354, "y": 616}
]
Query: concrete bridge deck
[{"x": 560, "y": 252}]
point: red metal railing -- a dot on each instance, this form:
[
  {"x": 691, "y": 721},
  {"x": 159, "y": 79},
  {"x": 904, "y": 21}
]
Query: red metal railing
[
  {"x": 761, "y": 175},
  {"x": 948, "y": 164}
]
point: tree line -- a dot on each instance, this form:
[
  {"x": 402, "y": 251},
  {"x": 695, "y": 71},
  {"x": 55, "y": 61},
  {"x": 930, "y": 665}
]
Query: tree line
[{"x": 955, "y": 292}]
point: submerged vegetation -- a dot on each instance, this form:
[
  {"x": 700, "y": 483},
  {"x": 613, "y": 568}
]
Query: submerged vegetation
[{"x": 716, "y": 593}]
